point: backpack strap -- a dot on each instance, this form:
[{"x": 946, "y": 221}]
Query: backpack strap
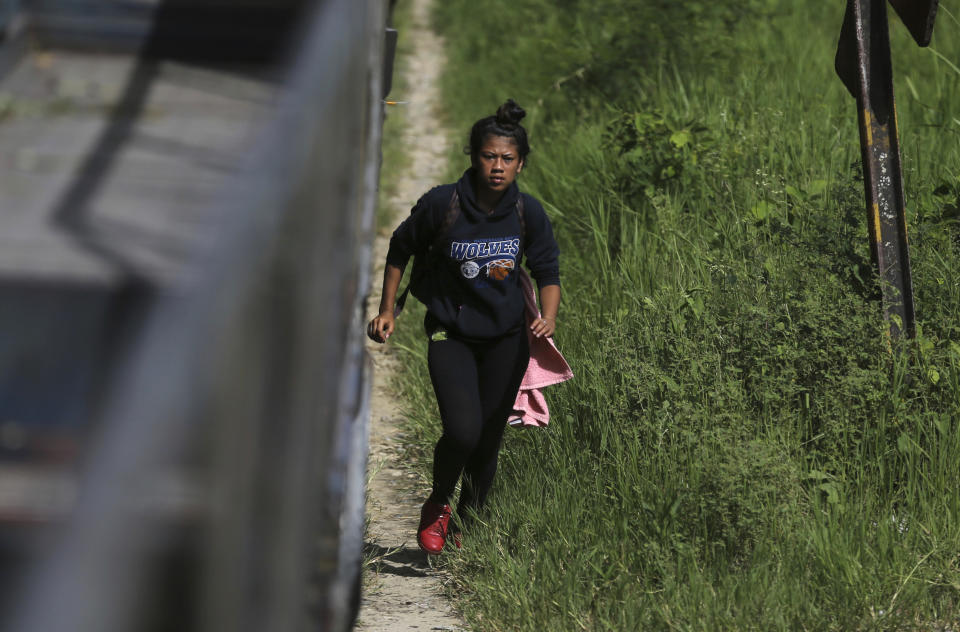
[
  {"x": 523, "y": 224},
  {"x": 453, "y": 212},
  {"x": 449, "y": 217}
]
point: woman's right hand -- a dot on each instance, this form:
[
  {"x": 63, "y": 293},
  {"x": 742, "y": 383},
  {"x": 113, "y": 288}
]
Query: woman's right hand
[{"x": 381, "y": 327}]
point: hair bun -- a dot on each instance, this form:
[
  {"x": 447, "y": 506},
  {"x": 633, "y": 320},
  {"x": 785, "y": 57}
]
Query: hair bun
[{"x": 510, "y": 113}]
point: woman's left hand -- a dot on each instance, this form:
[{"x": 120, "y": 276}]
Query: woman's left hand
[{"x": 543, "y": 327}]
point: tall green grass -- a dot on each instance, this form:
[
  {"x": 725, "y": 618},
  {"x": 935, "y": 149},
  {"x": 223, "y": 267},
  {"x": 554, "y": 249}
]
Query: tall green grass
[
  {"x": 740, "y": 448},
  {"x": 392, "y": 149}
]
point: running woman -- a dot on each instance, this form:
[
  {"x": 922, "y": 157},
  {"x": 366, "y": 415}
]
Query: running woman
[{"x": 469, "y": 239}]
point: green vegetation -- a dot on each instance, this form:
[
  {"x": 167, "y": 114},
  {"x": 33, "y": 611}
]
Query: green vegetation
[
  {"x": 392, "y": 150},
  {"x": 740, "y": 450}
]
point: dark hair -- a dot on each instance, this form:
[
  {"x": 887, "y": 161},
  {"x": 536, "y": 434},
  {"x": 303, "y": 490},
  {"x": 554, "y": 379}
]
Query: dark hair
[{"x": 506, "y": 122}]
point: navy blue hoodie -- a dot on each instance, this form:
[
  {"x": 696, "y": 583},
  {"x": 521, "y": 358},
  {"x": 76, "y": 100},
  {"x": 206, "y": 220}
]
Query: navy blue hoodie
[{"x": 472, "y": 289}]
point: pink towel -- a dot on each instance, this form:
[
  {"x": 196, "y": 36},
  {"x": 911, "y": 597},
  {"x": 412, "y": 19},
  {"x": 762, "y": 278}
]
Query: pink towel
[{"x": 546, "y": 367}]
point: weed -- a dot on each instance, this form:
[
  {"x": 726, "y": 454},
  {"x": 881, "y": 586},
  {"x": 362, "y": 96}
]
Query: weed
[{"x": 742, "y": 447}]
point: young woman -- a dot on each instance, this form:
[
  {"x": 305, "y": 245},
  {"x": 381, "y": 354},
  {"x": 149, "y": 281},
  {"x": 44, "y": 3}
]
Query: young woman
[{"x": 469, "y": 238}]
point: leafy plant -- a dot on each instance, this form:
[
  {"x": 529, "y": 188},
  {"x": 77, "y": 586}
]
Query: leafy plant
[{"x": 742, "y": 447}]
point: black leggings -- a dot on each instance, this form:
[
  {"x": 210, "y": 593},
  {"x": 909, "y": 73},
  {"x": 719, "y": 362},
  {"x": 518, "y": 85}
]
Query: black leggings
[{"x": 476, "y": 385}]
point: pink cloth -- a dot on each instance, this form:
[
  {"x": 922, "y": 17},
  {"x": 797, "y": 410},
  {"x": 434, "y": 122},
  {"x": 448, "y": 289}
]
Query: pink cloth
[{"x": 547, "y": 367}]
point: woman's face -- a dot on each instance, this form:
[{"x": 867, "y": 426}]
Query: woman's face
[{"x": 497, "y": 164}]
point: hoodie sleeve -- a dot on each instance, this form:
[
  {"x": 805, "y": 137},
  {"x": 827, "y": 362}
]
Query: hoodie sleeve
[
  {"x": 417, "y": 232},
  {"x": 541, "y": 249}
]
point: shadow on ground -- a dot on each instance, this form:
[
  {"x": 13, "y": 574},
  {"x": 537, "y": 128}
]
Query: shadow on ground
[{"x": 404, "y": 561}]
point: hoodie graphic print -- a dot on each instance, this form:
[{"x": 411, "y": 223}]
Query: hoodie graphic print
[{"x": 491, "y": 259}]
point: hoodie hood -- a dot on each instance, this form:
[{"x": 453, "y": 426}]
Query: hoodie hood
[{"x": 466, "y": 188}]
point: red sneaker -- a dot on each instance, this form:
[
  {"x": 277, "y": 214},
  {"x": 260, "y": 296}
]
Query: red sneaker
[{"x": 432, "y": 532}]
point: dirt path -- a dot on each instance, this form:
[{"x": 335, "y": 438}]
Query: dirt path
[{"x": 401, "y": 591}]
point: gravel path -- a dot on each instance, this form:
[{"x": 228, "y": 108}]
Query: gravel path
[{"x": 401, "y": 591}]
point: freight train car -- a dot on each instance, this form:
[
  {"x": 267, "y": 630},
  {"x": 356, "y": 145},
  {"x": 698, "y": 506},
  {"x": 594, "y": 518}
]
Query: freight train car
[{"x": 186, "y": 195}]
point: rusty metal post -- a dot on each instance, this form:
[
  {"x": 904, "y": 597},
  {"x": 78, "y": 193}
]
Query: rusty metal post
[{"x": 863, "y": 63}]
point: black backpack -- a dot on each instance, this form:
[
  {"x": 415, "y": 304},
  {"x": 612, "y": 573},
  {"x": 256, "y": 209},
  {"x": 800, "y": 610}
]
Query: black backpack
[{"x": 422, "y": 264}]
